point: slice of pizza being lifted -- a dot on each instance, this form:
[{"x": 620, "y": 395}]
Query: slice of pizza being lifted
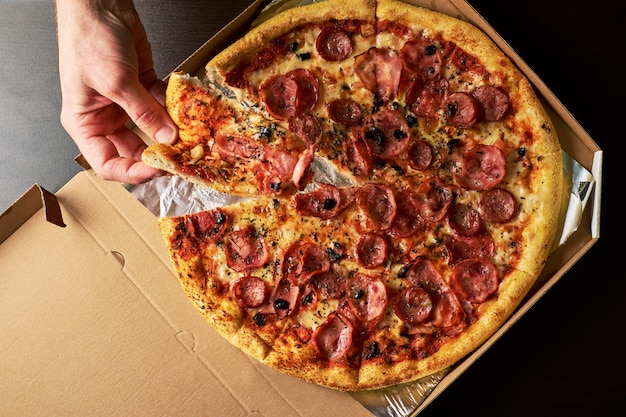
[{"x": 224, "y": 144}]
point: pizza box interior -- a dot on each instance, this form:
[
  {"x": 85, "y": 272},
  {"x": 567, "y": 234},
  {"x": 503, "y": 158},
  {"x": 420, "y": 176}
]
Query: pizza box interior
[{"x": 94, "y": 321}]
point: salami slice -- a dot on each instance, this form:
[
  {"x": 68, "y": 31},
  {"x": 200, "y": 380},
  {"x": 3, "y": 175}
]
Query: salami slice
[
  {"x": 291, "y": 94},
  {"x": 345, "y": 111},
  {"x": 414, "y": 305},
  {"x": 380, "y": 70},
  {"x": 367, "y": 297},
  {"x": 303, "y": 260},
  {"x": 494, "y": 101},
  {"x": 427, "y": 99},
  {"x": 462, "y": 110},
  {"x": 465, "y": 220},
  {"x": 333, "y": 44},
  {"x": 246, "y": 249},
  {"x": 250, "y": 291},
  {"x": 358, "y": 156},
  {"x": 324, "y": 201},
  {"x": 206, "y": 226},
  {"x": 423, "y": 273},
  {"x": 420, "y": 155},
  {"x": 407, "y": 220},
  {"x": 476, "y": 279},
  {"x": 279, "y": 95},
  {"x": 333, "y": 338},
  {"x": 386, "y": 133},
  {"x": 480, "y": 245},
  {"x": 378, "y": 204},
  {"x": 498, "y": 205},
  {"x": 371, "y": 250},
  {"x": 483, "y": 167},
  {"x": 307, "y": 126},
  {"x": 433, "y": 200},
  {"x": 423, "y": 57}
]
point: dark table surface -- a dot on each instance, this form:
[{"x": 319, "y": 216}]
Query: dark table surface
[{"x": 567, "y": 355}]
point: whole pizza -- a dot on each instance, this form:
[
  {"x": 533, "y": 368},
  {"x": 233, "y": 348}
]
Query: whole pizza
[{"x": 404, "y": 185}]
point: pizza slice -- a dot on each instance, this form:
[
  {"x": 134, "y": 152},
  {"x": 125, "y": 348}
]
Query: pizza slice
[{"x": 224, "y": 144}]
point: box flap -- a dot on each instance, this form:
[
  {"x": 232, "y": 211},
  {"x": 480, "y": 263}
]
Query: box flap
[{"x": 95, "y": 323}]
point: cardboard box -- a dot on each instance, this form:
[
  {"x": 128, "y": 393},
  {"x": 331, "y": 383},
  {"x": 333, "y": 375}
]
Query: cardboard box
[{"x": 94, "y": 321}]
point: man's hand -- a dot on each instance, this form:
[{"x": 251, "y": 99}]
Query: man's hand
[{"x": 107, "y": 77}]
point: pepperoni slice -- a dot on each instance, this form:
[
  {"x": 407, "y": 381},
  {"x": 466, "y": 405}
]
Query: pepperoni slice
[
  {"x": 333, "y": 338},
  {"x": 279, "y": 95},
  {"x": 494, "y": 101},
  {"x": 246, "y": 249},
  {"x": 387, "y": 133},
  {"x": 421, "y": 155},
  {"x": 465, "y": 220},
  {"x": 358, "y": 157},
  {"x": 433, "y": 199},
  {"x": 448, "y": 311},
  {"x": 323, "y": 202},
  {"x": 423, "y": 273},
  {"x": 330, "y": 284},
  {"x": 237, "y": 146},
  {"x": 423, "y": 57},
  {"x": 407, "y": 221},
  {"x": 426, "y": 100},
  {"x": 483, "y": 167},
  {"x": 250, "y": 291},
  {"x": 334, "y": 44},
  {"x": 287, "y": 95},
  {"x": 371, "y": 250},
  {"x": 476, "y": 279},
  {"x": 378, "y": 204},
  {"x": 367, "y": 298},
  {"x": 308, "y": 89},
  {"x": 414, "y": 305},
  {"x": 380, "y": 70},
  {"x": 284, "y": 299},
  {"x": 498, "y": 205},
  {"x": 307, "y": 127},
  {"x": 345, "y": 111},
  {"x": 480, "y": 245},
  {"x": 303, "y": 260},
  {"x": 301, "y": 173},
  {"x": 462, "y": 110},
  {"x": 207, "y": 226}
]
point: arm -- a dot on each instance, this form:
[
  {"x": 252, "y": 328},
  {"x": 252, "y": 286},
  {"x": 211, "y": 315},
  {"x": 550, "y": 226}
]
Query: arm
[{"x": 107, "y": 77}]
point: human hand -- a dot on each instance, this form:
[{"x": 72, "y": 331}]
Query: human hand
[{"x": 107, "y": 77}]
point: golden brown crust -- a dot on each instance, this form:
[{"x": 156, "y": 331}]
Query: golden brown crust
[
  {"x": 200, "y": 286},
  {"x": 493, "y": 314},
  {"x": 259, "y": 36}
]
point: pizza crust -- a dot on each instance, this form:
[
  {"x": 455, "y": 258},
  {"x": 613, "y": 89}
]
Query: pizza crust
[{"x": 261, "y": 35}]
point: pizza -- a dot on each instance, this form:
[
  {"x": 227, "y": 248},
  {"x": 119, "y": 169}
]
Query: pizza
[{"x": 403, "y": 186}]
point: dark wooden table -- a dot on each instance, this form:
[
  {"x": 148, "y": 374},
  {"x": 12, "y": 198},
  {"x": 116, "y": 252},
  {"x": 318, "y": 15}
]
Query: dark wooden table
[{"x": 567, "y": 356}]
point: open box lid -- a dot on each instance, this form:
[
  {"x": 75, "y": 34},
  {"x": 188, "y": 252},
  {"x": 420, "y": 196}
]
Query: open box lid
[{"x": 94, "y": 322}]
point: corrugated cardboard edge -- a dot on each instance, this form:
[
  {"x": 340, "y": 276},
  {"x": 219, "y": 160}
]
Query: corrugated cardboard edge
[{"x": 27, "y": 205}]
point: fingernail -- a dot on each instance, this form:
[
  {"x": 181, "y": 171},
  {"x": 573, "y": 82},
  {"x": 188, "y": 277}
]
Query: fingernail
[{"x": 165, "y": 135}]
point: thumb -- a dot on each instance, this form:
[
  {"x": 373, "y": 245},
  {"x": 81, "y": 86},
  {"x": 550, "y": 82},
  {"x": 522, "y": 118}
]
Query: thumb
[{"x": 147, "y": 113}]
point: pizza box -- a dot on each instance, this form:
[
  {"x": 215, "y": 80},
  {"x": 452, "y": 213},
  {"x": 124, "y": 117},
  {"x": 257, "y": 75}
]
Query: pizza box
[{"x": 94, "y": 321}]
